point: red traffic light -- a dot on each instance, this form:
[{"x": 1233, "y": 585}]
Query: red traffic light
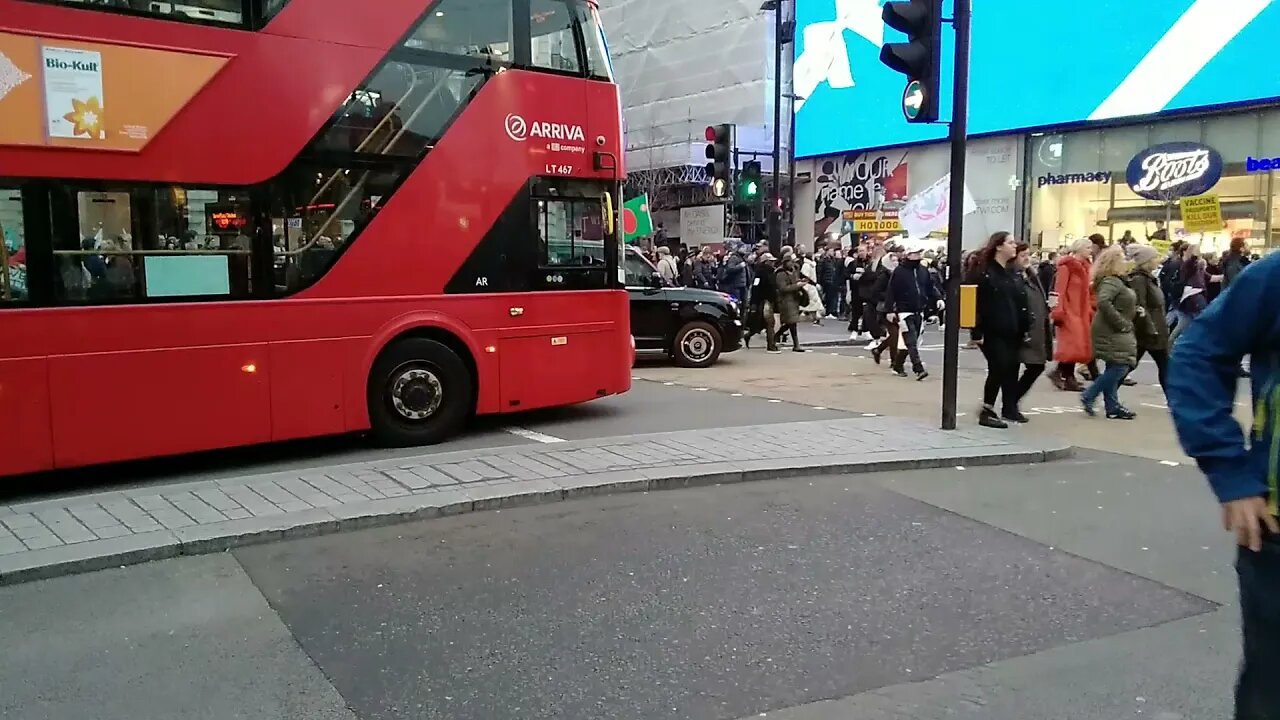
[{"x": 711, "y": 133}]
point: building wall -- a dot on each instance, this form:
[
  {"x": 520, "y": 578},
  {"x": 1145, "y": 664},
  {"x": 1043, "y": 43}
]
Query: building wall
[{"x": 682, "y": 66}]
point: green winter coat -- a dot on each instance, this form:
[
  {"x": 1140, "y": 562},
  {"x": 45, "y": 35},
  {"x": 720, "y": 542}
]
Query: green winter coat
[
  {"x": 789, "y": 289},
  {"x": 1113, "y": 338},
  {"x": 1151, "y": 328}
]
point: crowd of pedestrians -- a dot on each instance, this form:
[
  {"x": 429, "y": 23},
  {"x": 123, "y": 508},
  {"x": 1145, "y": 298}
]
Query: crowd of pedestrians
[{"x": 1092, "y": 311}]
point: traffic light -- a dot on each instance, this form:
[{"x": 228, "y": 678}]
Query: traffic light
[
  {"x": 919, "y": 58},
  {"x": 719, "y": 152},
  {"x": 750, "y": 181}
]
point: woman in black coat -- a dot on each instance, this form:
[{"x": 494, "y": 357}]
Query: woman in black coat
[
  {"x": 1038, "y": 349},
  {"x": 1001, "y": 328}
]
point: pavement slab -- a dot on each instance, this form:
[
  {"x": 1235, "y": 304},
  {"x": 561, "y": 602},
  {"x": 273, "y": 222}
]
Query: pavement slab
[
  {"x": 192, "y": 639},
  {"x": 261, "y": 507},
  {"x": 710, "y": 603}
]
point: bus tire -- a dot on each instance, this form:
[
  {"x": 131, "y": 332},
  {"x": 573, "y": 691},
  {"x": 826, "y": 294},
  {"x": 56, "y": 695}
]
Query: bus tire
[
  {"x": 420, "y": 393},
  {"x": 697, "y": 345}
]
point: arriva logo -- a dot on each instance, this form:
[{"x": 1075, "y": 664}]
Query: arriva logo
[
  {"x": 1174, "y": 170},
  {"x": 520, "y": 130}
]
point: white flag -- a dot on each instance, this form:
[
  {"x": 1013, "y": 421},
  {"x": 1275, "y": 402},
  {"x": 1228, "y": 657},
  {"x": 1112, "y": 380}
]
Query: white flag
[{"x": 929, "y": 210}]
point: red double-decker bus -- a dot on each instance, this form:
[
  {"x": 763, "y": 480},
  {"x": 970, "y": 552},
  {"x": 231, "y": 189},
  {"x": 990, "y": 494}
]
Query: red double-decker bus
[{"x": 230, "y": 222}]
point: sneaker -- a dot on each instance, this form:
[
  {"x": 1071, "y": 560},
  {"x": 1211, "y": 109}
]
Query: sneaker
[
  {"x": 1128, "y": 382},
  {"x": 873, "y": 344},
  {"x": 1088, "y": 407},
  {"x": 1121, "y": 413},
  {"x": 774, "y": 351},
  {"x": 899, "y": 372},
  {"x": 798, "y": 349},
  {"x": 855, "y": 337},
  {"x": 1016, "y": 417},
  {"x": 988, "y": 419},
  {"x": 877, "y": 356},
  {"x": 922, "y": 375}
]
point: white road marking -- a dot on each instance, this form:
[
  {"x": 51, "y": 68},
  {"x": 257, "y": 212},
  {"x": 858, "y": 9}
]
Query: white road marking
[
  {"x": 775, "y": 401},
  {"x": 1170, "y": 463},
  {"x": 1156, "y": 405},
  {"x": 534, "y": 435},
  {"x": 818, "y": 407},
  {"x": 869, "y": 415},
  {"x": 701, "y": 389},
  {"x": 668, "y": 384},
  {"x": 736, "y": 395}
]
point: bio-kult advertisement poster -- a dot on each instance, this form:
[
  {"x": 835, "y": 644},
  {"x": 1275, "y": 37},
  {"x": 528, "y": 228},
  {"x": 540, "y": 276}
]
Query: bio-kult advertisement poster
[
  {"x": 58, "y": 92},
  {"x": 73, "y": 100}
]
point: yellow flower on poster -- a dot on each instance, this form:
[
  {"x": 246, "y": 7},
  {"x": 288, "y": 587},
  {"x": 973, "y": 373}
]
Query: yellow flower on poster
[{"x": 1201, "y": 213}]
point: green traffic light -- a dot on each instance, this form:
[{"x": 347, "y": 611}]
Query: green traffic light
[{"x": 750, "y": 189}]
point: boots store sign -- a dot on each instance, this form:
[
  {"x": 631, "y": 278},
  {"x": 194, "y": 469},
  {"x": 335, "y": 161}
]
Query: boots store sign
[{"x": 1171, "y": 171}]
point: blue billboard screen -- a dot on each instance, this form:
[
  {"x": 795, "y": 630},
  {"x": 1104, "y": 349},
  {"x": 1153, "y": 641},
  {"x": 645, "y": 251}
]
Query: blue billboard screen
[{"x": 1033, "y": 64}]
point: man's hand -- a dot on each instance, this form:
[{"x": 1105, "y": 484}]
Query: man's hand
[
  {"x": 1245, "y": 518},
  {"x": 891, "y": 317}
]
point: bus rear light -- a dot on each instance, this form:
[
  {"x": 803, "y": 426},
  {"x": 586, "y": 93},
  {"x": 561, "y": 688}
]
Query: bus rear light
[
  {"x": 249, "y": 369},
  {"x": 491, "y": 349}
]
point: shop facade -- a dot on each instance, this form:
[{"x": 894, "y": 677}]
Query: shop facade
[
  {"x": 1052, "y": 134},
  {"x": 1076, "y": 182}
]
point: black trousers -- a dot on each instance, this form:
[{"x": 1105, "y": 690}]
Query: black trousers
[
  {"x": 1161, "y": 359},
  {"x": 1030, "y": 373},
  {"x": 1257, "y": 692},
  {"x": 1002, "y": 373},
  {"x": 909, "y": 326},
  {"x": 871, "y": 319},
  {"x": 856, "y": 314}
]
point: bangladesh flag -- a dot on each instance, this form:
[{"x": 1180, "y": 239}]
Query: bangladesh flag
[{"x": 636, "y": 222}]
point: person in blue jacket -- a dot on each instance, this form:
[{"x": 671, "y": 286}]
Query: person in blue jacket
[{"x": 1203, "y": 372}]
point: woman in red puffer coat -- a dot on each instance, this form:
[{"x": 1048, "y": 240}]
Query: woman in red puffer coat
[{"x": 1072, "y": 315}]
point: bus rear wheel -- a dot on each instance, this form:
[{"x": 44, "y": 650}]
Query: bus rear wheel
[{"x": 420, "y": 393}]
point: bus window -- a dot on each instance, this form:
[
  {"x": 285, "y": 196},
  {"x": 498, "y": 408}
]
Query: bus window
[
  {"x": 13, "y": 248},
  {"x": 572, "y": 231},
  {"x": 315, "y": 212},
  {"x": 551, "y": 29},
  {"x": 598, "y": 63},
  {"x": 478, "y": 28},
  {"x": 570, "y": 224},
  {"x": 401, "y": 111},
  {"x": 151, "y": 243},
  {"x": 220, "y": 12}
]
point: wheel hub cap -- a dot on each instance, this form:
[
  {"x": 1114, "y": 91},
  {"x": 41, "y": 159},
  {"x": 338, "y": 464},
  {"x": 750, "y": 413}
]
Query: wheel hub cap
[
  {"x": 416, "y": 393},
  {"x": 697, "y": 345}
]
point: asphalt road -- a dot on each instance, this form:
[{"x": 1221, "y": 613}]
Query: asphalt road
[
  {"x": 1002, "y": 594},
  {"x": 647, "y": 408}
]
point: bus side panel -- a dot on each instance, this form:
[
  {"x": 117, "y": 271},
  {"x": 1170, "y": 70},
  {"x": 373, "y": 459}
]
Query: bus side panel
[
  {"x": 26, "y": 440},
  {"x": 123, "y": 405},
  {"x": 560, "y": 368},
  {"x": 306, "y": 387}
]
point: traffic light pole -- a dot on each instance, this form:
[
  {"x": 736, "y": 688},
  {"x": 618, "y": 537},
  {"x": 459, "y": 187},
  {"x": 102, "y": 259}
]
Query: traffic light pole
[
  {"x": 955, "y": 223},
  {"x": 772, "y": 216}
]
